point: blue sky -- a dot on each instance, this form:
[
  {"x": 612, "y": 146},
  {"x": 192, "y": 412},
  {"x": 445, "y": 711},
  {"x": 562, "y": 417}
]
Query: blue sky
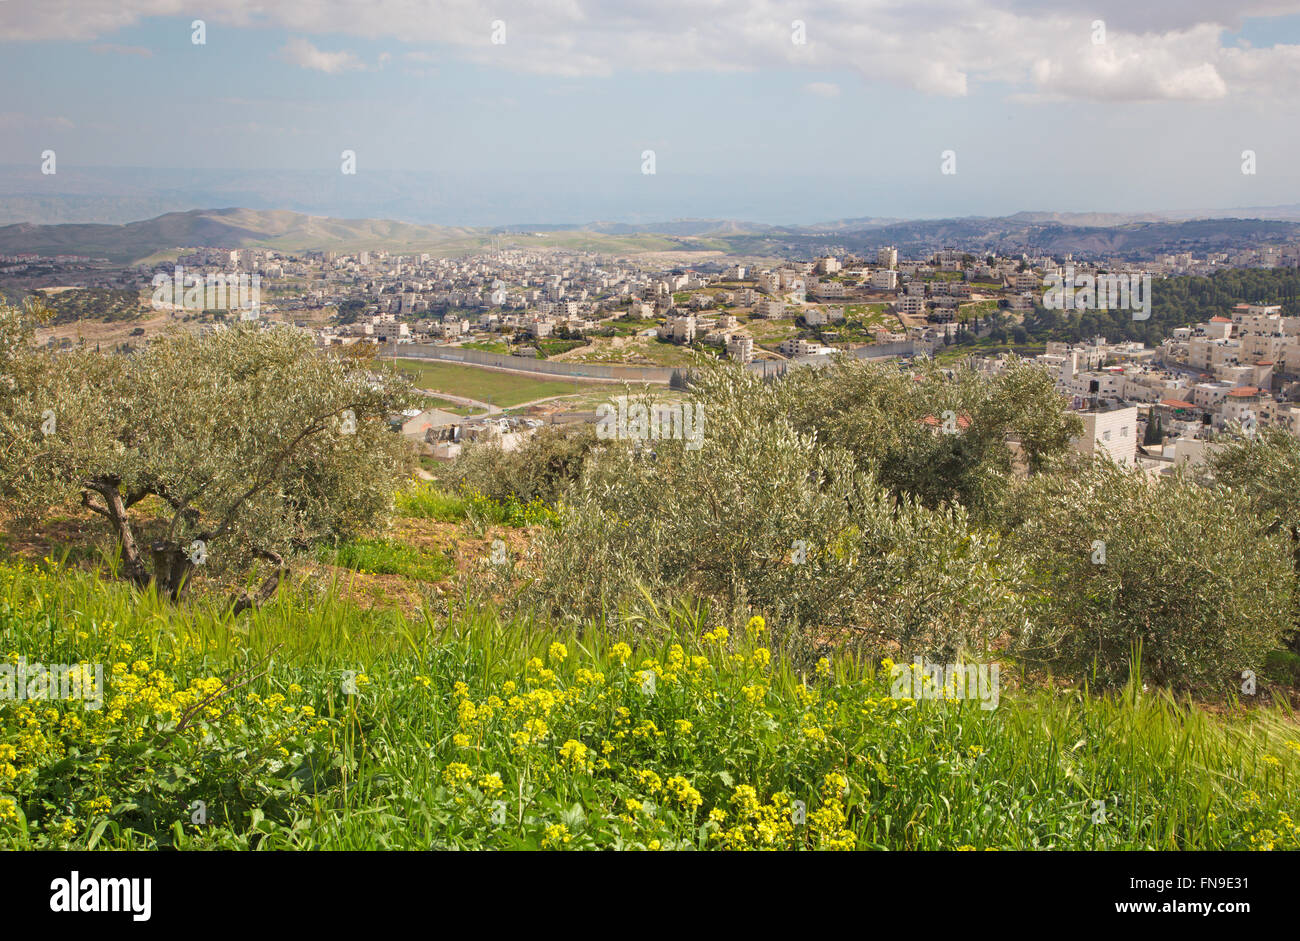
[{"x": 550, "y": 126}]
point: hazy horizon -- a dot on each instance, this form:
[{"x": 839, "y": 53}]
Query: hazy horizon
[{"x": 121, "y": 195}]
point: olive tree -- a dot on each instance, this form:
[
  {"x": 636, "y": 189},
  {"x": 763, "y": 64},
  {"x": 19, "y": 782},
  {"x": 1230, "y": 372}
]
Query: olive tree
[
  {"x": 1265, "y": 469},
  {"x": 217, "y": 450},
  {"x": 935, "y": 434},
  {"x": 541, "y": 468},
  {"x": 757, "y": 513},
  {"x": 1119, "y": 561}
]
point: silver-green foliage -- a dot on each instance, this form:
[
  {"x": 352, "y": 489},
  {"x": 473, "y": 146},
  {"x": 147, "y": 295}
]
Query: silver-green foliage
[
  {"x": 248, "y": 439},
  {"x": 1120, "y": 562},
  {"x": 761, "y": 515}
]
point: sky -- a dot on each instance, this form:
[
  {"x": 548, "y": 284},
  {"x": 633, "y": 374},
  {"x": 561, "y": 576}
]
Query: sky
[{"x": 470, "y": 113}]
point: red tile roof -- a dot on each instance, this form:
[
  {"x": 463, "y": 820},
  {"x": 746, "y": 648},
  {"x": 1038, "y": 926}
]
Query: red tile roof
[
  {"x": 1244, "y": 392},
  {"x": 963, "y": 421},
  {"x": 1220, "y": 320},
  {"x": 1176, "y": 403}
]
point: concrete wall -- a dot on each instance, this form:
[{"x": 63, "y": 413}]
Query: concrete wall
[{"x": 452, "y": 354}]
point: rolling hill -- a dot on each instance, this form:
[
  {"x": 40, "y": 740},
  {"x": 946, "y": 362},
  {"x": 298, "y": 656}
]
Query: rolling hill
[{"x": 1084, "y": 234}]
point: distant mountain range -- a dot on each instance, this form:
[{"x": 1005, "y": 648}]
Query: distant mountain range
[{"x": 1082, "y": 234}]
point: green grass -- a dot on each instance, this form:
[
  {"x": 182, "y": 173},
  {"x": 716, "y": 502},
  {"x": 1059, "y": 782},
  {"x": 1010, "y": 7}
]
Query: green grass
[
  {"x": 501, "y": 388},
  {"x": 427, "y": 500},
  {"x": 312, "y": 723},
  {"x": 640, "y": 351},
  {"x": 984, "y": 347},
  {"x": 384, "y": 557},
  {"x": 553, "y": 347},
  {"x": 447, "y": 405},
  {"x": 486, "y": 346}
]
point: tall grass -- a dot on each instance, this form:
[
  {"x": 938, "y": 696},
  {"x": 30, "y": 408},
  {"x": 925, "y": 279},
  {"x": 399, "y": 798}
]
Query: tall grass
[
  {"x": 386, "y": 557},
  {"x": 382, "y": 765},
  {"x": 427, "y": 500}
]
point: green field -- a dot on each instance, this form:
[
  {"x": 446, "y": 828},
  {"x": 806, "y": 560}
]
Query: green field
[
  {"x": 637, "y": 351},
  {"x": 447, "y": 405},
  {"x": 486, "y": 385},
  {"x": 489, "y": 347}
]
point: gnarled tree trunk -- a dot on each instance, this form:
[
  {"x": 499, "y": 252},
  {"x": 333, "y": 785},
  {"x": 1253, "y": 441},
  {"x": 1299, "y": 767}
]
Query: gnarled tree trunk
[{"x": 171, "y": 569}]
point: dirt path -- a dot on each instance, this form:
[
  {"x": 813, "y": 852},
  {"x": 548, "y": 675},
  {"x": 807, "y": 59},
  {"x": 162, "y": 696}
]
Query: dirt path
[{"x": 462, "y": 400}]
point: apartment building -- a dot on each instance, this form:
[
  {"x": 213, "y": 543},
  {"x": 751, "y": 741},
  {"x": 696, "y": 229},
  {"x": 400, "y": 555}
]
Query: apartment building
[
  {"x": 1243, "y": 404},
  {"x": 797, "y": 346},
  {"x": 539, "y": 327},
  {"x": 817, "y": 316},
  {"x": 1025, "y": 281},
  {"x": 680, "y": 329},
  {"x": 740, "y": 347},
  {"x": 1111, "y": 430},
  {"x": 828, "y": 289}
]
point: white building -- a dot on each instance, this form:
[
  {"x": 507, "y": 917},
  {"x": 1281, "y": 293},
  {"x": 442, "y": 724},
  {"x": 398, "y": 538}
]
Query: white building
[
  {"x": 680, "y": 329},
  {"x": 1109, "y": 430},
  {"x": 740, "y": 347},
  {"x": 884, "y": 279}
]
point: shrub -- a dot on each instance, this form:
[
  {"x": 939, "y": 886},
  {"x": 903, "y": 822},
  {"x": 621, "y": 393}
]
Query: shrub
[
  {"x": 541, "y": 468},
  {"x": 762, "y": 516},
  {"x": 1186, "y": 576}
]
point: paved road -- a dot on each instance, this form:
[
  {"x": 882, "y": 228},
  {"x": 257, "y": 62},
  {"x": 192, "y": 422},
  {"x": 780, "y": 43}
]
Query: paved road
[{"x": 462, "y": 400}]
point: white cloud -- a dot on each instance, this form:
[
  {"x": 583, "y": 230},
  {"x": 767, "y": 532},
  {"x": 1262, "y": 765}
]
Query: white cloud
[
  {"x": 1154, "y": 50},
  {"x": 300, "y": 52},
  {"x": 1183, "y": 65}
]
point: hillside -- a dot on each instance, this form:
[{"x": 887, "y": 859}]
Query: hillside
[
  {"x": 1052, "y": 233},
  {"x": 234, "y": 228},
  {"x": 386, "y": 678}
]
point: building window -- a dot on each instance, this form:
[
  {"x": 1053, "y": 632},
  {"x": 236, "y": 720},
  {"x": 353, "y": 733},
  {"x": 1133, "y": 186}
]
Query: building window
[
  {"x": 1105, "y": 435},
  {"x": 1123, "y": 432}
]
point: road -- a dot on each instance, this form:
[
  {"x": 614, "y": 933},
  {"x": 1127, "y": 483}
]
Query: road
[{"x": 494, "y": 409}]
